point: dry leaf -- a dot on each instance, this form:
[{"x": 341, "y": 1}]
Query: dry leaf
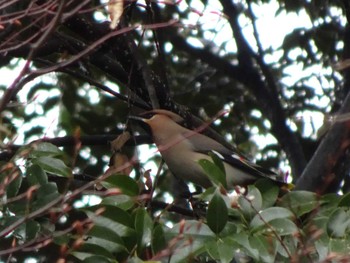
[
  {"x": 118, "y": 143},
  {"x": 342, "y": 65},
  {"x": 115, "y": 10},
  {"x": 147, "y": 176}
]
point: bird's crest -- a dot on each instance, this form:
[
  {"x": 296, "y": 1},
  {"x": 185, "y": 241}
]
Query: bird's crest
[{"x": 175, "y": 117}]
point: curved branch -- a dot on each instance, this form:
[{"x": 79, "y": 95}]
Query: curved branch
[{"x": 11, "y": 91}]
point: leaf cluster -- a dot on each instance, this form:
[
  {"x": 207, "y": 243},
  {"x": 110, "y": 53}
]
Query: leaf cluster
[{"x": 127, "y": 224}]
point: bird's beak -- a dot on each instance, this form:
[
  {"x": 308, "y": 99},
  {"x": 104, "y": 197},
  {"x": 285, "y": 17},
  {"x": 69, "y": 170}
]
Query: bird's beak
[
  {"x": 143, "y": 123},
  {"x": 137, "y": 118}
]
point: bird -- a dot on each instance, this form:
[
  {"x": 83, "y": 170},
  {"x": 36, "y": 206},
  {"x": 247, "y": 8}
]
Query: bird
[{"x": 182, "y": 148}]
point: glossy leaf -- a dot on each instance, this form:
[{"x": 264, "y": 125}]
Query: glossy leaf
[
  {"x": 217, "y": 213},
  {"x": 36, "y": 175},
  {"x": 280, "y": 226},
  {"x": 250, "y": 203},
  {"x": 144, "y": 228},
  {"x": 269, "y": 192},
  {"x": 90, "y": 250},
  {"x": 300, "y": 202},
  {"x": 46, "y": 194},
  {"x": 266, "y": 246},
  {"x": 195, "y": 237},
  {"x": 158, "y": 239},
  {"x": 27, "y": 231},
  {"x": 339, "y": 223},
  {"x": 124, "y": 202},
  {"x": 53, "y": 165},
  {"x": 105, "y": 238},
  {"x": 223, "y": 249},
  {"x": 269, "y": 214},
  {"x": 127, "y": 185},
  {"x": 11, "y": 179},
  {"x": 216, "y": 175},
  {"x": 112, "y": 217},
  {"x": 242, "y": 239},
  {"x": 345, "y": 200},
  {"x": 217, "y": 161},
  {"x": 44, "y": 149},
  {"x": 100, "y": 259}
]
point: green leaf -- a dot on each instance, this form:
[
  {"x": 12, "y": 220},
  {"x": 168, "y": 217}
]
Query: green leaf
[
  {"x": 281, "y": 226},
  {"x": 269, "y": 192},
  {"x": 13, "y": 178},
  {"x": 45, "y": 194},
  {"x": 116, "y": 220},
  {"x": 124, "y": 202},
  {"x": 269, "y": 214},
  {"x": 90, "y": 250},
  {"x": 222, "y": 249},
  {"x": 288, "y": 248},
  {"x": 339, "y": 245},
  {"x": 226, "y": 249},
  {"x": 217, "y": 161},
  {"x": 339, "y": 223},
  {"x": 6, "y": 221},
  {"x": 322, "y": 247},
  {"x": 105, "y": 238},
  {"x": 328, "y": 204},
  {"x": 231, "y": 228},
  {"x": 44, "y": 149},
  {"x": 215, "y": 174},
  {"x": 300, "y": 202},
  {"x": 217, "y": 213},
  {"x": 135, "y": 259},
  {"x": 284, "y": 226},
  {"x": 266, "y": 247},
  {"x": 36, "y": 175},
  {"x": 126, "y": 184},
  {"x": 195, "y": 237},
  {"x": 27, "y": 231},
  {"x": 53, "y": 165},
  {"x": 158, "y": 239},
  {"x": 251, "y": 203},
  {"x": 62, "y": 239},
  {"x": 143, "y": 227},
  {"x": 243, "y": 240},
  {"x": 113, "y": 218},
  {"x": 99, "y": 259},
  {"x": 345, "y": 200}
]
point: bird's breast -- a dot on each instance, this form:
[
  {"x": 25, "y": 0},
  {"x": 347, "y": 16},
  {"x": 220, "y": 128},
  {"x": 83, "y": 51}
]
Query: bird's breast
[{"x": 182, "y": 161}]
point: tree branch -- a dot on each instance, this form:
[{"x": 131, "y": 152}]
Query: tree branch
[
  {"x": 89, "y": 140},
  {"x": 319, "y": 174}
]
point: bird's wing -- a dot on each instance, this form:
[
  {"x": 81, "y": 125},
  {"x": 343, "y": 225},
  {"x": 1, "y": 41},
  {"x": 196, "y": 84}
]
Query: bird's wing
[
  {"x": 204, "y": 144},
  {"x": 245, "y": 165},
  {"x": 248, "y": 167}
]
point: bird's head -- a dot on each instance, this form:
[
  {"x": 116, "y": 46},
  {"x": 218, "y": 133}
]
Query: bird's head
[{"x": 159, "y": 121}]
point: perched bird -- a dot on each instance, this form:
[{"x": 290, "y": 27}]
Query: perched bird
[{"x": 182, "y": 148}]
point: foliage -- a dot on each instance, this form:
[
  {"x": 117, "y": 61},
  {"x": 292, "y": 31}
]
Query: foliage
[
  {"x": 78, "y": 78},
  {"x": 125, "y": 225}
]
